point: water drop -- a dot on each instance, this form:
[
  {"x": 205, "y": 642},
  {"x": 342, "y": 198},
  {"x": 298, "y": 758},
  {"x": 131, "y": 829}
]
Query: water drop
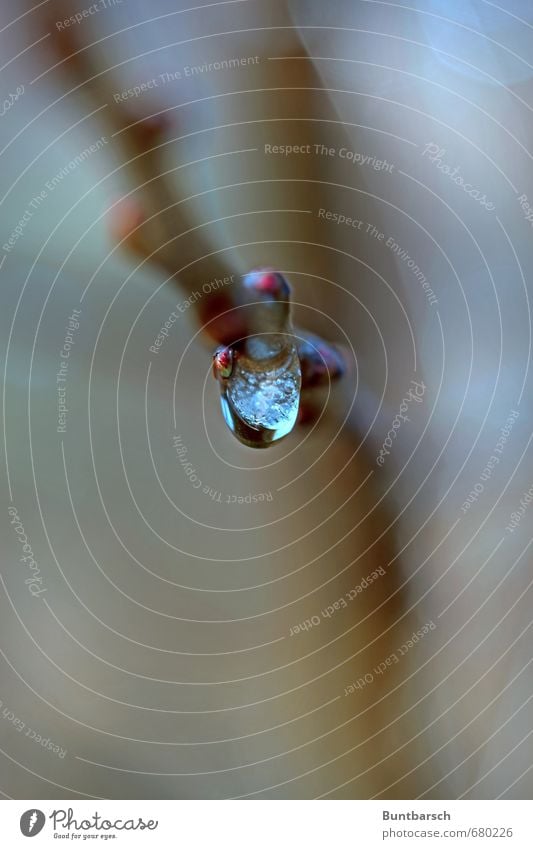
[{"x": 260, "y": 376}]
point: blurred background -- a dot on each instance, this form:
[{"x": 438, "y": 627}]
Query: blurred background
[{"x": 345, "y": 615}]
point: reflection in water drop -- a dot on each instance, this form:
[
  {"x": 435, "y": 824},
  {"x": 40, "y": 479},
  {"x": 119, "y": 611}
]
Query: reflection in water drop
[
  {"x": 260, "y": 398},
  {"x": 260, "y": 376}
]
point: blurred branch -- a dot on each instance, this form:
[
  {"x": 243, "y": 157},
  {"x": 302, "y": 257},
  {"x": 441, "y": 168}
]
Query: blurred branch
[{"x": 156, "y": 224}]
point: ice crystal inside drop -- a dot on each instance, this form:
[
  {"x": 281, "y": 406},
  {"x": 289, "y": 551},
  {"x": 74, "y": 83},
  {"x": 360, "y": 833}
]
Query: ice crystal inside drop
[
  {"x": 260, "y": 399},
  {"x": 260, "y": 376}
]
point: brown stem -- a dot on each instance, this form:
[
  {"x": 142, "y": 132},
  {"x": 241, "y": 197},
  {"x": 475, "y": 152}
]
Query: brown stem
[{"x": 162, "y": 227}]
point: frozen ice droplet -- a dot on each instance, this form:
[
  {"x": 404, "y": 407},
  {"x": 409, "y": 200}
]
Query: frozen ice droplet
[
  {"x": 260, "y": 398},
  {"x": 260, "y": 376}
]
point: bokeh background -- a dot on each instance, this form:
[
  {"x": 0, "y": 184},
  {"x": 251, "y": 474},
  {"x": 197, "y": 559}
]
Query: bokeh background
[{"x": 164, "y": 654}]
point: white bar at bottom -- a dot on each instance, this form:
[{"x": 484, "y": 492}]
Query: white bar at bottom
[{"x": 270, "y": 823}]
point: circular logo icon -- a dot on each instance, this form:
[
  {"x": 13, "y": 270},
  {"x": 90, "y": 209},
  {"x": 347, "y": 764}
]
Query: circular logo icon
[{"x": 32, "y": 822}]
